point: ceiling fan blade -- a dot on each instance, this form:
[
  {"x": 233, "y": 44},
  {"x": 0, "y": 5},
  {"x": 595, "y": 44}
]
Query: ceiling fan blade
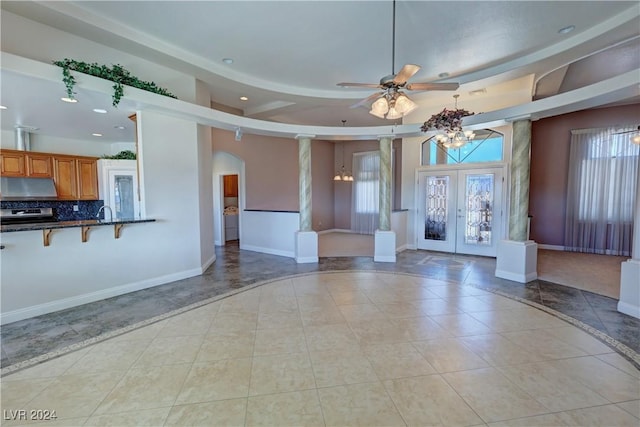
[
  {"x": 405, "y": 74},
  {"x": 373, "y": 85},
  {"x": 433, "y": 86},
  {"x": 367, "y": 99}
]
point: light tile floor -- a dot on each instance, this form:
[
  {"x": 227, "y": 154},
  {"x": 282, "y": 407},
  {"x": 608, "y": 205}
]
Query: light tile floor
[{"x": 338, "y": 349}]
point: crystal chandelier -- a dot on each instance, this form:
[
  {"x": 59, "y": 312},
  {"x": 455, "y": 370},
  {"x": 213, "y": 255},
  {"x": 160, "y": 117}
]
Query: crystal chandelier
[{"x": 449, "y": 123}]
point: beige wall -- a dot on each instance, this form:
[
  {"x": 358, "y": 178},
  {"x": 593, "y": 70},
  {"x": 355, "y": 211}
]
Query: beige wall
[
  {"x": 550, "y": 139},
  {"x": 271, "y": 173}
]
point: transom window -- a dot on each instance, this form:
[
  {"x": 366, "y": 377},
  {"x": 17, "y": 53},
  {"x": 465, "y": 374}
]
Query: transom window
[{"x": 487, "y": 146}]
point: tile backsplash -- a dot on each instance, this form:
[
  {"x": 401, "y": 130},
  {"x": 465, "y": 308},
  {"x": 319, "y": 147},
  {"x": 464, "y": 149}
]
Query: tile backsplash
[{"x": 62, "y": 210}]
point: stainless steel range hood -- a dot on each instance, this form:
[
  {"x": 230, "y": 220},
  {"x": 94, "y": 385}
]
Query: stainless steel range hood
[{"x": 13, "y": 188}]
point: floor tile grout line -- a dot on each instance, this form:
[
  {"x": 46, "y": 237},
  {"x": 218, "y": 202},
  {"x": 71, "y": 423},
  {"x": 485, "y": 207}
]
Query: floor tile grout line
[{"x": 626, "y": 351}]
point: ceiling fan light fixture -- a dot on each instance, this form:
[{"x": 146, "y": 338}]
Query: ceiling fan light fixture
[
  {"x": 380, "y": 107},
  {"x": 635, "y": 139},
  {"x": 393, "y": 114},
  {"x": 404, "y": 105}
]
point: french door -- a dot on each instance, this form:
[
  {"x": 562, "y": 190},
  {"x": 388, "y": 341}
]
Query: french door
[{"x": 460, "y": 211}]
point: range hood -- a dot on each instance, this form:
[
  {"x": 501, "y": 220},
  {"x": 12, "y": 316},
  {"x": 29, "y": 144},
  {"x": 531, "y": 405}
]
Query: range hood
[{"x": 14, "y": 188}]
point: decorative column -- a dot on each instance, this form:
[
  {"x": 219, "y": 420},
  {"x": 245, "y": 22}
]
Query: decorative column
[
  {"x": 518, "y": 257},
  {"x": 385, "y": 239},
  {"x": 306, "y": 238},
  {"x": 629, "y": 302}
]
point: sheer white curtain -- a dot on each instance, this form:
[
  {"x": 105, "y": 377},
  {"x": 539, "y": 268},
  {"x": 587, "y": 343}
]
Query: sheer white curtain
[
  {"x": 603, "y": 166},
  {"x": 366, "y": 192}
]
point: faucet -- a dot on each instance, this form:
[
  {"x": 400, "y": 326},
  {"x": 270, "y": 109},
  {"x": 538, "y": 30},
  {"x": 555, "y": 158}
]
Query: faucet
[{"x": 110, "y": 212}]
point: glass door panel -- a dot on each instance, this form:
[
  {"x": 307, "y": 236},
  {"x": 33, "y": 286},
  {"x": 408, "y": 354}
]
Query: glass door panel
[
  {"x": 437, "y": 223},
  {"x": 459, "y": 211}
]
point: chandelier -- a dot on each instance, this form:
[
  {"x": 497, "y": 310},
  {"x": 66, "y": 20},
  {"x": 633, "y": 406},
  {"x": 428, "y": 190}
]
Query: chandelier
[
  {"x": 342, "y": 174},
  {"x": 449, "y": 123},
  {"x": 393, "y": 104}
]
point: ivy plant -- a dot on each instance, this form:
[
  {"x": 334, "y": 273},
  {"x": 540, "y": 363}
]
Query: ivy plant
[
  {"x": 117, "y": 74},
  {"x": 123, "y": 155}
]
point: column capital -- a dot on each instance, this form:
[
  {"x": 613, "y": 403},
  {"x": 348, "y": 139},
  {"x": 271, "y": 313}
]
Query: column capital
[
  {"x": 304, "y": 136},
  {"x": 381, "y": 137}
]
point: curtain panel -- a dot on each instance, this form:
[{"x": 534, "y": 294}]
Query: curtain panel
[
  {"x": 366, "y": 192},
  {"x": 603, "y": 170}
]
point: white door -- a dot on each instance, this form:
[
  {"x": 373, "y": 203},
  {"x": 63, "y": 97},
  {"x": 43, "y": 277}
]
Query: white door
[
  {"x": 460, "y": 211},
  {"x": 122, "y": 197}
]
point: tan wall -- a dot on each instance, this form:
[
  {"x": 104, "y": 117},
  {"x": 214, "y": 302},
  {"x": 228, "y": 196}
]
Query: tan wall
[
  {"x": 271, "y": 173},
  {"x": 550, "y": 163}
]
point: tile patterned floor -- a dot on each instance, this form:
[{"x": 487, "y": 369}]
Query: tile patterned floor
[{"x": 425, "y": 341}]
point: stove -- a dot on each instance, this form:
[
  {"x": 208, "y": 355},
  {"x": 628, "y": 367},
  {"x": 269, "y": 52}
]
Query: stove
[{"x": 26, "y": 215}]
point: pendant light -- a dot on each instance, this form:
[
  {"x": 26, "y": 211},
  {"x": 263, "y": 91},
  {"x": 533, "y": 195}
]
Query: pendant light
[{"x": 342, "y": 174}]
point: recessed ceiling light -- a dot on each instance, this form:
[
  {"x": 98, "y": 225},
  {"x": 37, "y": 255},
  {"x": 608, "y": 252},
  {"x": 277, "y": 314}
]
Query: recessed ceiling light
[
  {"x": 100, "y": 110},
  {"x": 443, "y": 75},
  {"x": 244, "y": 98},
  {"x": 96, "y": 134},
  {"x": 119, "y": 127},
  {"x": 72, "y": 100},
  {"x": 227, "y": 60},
  {"x": 566, "y": 30},
  {"x": 2, "y": 107}
]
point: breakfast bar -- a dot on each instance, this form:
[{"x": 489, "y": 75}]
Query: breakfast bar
[{"x": 84, "y": 225}]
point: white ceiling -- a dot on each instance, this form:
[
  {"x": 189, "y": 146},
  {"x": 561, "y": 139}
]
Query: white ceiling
[{"x": 288, "y": 56}]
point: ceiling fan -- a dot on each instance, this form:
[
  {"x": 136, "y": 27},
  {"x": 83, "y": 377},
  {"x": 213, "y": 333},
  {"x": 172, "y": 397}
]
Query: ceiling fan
[{"x": 392, "y": 103}]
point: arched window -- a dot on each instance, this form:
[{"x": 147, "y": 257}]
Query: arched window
[{"x": 487, "y": 146}]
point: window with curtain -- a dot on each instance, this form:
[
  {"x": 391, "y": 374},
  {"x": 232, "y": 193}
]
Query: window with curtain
[
  {"x": 603, "y": 170},
  {"x": 366, "y": 192}
]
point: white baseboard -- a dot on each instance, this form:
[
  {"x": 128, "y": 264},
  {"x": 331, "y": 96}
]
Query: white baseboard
[
  {"x": 551, "y": 247},
  {"x": 335, "y": 230},
  {"x": 307, "y": 260},
  {"x": 288, "y": 254},
  {"x": 384, "y": 258},
  {"x": 402, "y": 248},
  {"x": 50, "y": 307},
  {"x": 208, "y": 263},
  {"x": 631, "y": 310},
  {"x": 515, "y": 277},
  {"x": 412, "y": 247}
]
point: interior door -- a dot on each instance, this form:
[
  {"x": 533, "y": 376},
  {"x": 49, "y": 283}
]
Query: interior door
[{"x": 460, "y": 210}]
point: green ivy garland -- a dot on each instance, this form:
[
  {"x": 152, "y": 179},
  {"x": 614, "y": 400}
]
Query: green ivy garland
[
  {"x": 117, "y": 74},
  {"x": 123, "y": 155}
]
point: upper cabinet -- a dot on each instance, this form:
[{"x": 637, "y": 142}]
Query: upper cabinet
[
  {"x": 75, "y": 177},
  {"x": 230, "y": 185},
  {"x": 12, "y": 163},
  {"x": 39, "y": 165}
]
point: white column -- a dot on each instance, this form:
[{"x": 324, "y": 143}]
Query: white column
[
  {"x": 306, "y": 238},
  {"x": 517, "y": 257},
  {"x": 629, "y": 302},
  {"x": 385, "y": 239}
]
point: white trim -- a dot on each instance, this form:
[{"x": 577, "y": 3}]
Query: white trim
[
  {"x": 335, "y": 230},
  {"x": 288, "y": 254},
  {"x": 208, "y": 264},
  {"x": 61, "y": 304},
  {"x": 411, "y": 247},
  {"x": 384, "y": 258},
  {"x": 402, "y": 248},
  {"x": 551, "y": 247},
  {"x": 631, "y": 310},
  {"x": 516, "y": 277},
  {"x": 306, "y": 260}
]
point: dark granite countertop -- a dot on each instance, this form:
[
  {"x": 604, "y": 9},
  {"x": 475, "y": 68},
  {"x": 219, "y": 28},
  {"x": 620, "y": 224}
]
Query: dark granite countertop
[{"x": 68, "y": 224}]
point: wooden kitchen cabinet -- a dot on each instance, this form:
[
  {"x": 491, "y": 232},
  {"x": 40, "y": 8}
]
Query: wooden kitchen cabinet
[
  {"x": 65, "y": 177},
  {"x": 230, "y": 185},
  {"x": 87, "y": 179},
  {"x": 39, "y": 165},
  {"x": 12, "y": 163},
  {"x": 76, "y": 178}
]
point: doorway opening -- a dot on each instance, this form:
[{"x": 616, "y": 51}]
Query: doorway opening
[{"x": 231, "y": 209}]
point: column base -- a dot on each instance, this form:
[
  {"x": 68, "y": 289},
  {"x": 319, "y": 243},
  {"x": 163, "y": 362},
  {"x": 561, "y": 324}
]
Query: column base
[
  {"x": 384, "y": 246},
  {"x": 306, "y": 247},
  {"x": 517, "y": 261},
  {"x": 630, "y": 288}
]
